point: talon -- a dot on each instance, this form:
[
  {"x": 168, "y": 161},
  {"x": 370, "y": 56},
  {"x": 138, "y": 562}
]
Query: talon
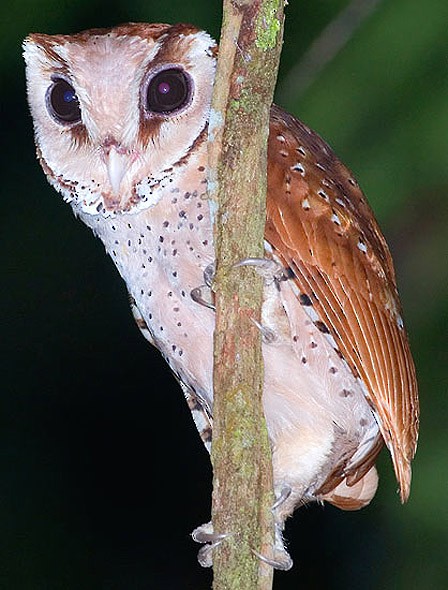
[
  {"x": 284, "y": 564},
  {"x": 196, "y": 295},
  {"x": 267, "y": 334},
  {"x": 284, "y": 495},
  {"x": 202, "y": 535},
  {"x": 205, "y": 534},
  {"x": 269, "y": 269}
]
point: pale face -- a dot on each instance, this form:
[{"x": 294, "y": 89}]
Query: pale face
[{"x": 117, "y": 111}]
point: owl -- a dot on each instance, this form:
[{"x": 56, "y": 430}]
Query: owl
[{"x": 121, "y": 119}]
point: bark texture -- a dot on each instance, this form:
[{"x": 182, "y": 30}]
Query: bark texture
[{"x": 249, "y": 53}]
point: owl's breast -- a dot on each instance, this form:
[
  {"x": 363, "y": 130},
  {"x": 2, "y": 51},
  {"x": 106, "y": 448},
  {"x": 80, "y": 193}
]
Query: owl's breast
[
  {"x": 316, "y": 412},
  {"x": 162, "y": 252}
]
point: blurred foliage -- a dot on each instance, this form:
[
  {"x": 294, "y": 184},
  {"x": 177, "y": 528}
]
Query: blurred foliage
[{"x": 102, "y": 473}]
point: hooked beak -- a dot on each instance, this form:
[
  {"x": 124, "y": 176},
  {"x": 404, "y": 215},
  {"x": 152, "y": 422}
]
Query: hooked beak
[{"x": 117, "y": 164}]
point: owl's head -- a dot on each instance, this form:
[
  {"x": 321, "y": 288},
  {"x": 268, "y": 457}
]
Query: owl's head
[{"x": 116, "y": 111}]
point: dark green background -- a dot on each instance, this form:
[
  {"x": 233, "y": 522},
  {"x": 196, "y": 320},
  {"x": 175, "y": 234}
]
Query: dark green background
[{"x": 102, "y": 475}]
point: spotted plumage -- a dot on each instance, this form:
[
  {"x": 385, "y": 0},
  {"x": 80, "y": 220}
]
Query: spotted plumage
[{"x": 120, "y": 118}]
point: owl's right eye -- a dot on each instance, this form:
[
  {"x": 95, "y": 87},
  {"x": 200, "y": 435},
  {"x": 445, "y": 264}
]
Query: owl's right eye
[{"x": 62, "y": 102}]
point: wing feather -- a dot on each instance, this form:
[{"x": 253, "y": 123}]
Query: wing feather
[{"x": 320, "y": 226}]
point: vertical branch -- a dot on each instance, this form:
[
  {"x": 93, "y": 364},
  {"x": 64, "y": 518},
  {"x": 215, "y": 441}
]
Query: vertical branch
[{"x": 249, "y": 53}]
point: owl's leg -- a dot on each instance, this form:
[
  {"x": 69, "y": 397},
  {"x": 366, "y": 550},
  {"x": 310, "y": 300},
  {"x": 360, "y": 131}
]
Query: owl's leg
[{"x": 281, "y": 560}]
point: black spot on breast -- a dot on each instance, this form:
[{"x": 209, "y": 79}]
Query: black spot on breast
[{"x": 346, "y": 393}]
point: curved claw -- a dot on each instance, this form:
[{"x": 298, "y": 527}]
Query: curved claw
[
  {"x": 196, "y": 295},
  {"x": 284, "y": 495},
  {"x": 201, "y": 535},
  {"x": 284, "y": 562},
  {"x": 281, "y": 560},
  {"x": 205, "y": 534}
]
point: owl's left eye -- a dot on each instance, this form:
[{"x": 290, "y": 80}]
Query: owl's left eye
[
  {"x": 168, "y": 91},
  {"x": 62, "y": 102}
]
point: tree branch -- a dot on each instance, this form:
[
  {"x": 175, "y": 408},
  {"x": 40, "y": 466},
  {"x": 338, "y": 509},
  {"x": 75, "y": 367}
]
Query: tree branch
[{"x": 249, "y": 53}]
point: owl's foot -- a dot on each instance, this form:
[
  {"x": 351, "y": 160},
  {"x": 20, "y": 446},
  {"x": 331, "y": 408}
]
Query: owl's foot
[
  {"x": 269, "y": 270},
  {"x": 281, "y": 559},
  {"x": 205, "y": 534},
  {"x": 204, "y": 293}
]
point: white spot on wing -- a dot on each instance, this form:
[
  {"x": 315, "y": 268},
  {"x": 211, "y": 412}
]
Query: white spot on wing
[
  {"x": 335, "y": 219},
  {"x": 362, "y": 246},
  {"x": 298, "y": 168}
]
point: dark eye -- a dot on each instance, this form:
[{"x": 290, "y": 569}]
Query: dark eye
[
  {"x": 168, "y": 91},
  {"x": 62, "y": 102}
]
